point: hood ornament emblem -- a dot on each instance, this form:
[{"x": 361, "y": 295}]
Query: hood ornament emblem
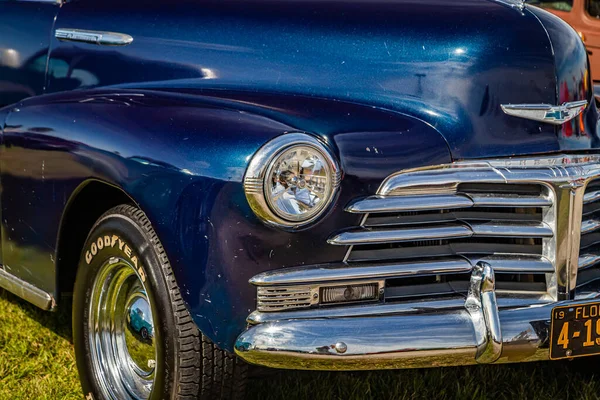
[{"x": 556, "y": 115}]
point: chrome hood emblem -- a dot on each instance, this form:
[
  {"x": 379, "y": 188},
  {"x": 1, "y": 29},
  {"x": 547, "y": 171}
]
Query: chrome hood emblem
[{"x": 556, "y": 115}]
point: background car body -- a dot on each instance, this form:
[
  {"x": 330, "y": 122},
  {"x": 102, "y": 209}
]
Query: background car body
[
  {"x": 171, "y": 120},
  {"x": 584, "y": 17}
]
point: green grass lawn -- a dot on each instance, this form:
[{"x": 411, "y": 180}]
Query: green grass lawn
[{"x": 37, "y": 362}]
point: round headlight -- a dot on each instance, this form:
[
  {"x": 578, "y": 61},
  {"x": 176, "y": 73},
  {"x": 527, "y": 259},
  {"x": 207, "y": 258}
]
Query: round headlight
[{"x": 291, "y": 180}]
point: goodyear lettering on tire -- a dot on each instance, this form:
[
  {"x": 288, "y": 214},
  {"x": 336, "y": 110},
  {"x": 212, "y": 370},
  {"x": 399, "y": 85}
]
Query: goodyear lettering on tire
[{"x": 112, "y": 241}]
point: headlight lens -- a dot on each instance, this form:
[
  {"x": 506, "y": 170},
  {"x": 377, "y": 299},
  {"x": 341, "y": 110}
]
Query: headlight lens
[
  {"x": 298, "y": 185},
  {"x": 291, "y": 180}
]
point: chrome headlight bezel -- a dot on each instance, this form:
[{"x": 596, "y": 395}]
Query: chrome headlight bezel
[{"x": 262, "y": 163}]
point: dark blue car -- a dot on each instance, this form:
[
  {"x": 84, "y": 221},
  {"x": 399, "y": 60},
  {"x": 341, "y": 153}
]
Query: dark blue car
[{"x": 299, "y": 184}]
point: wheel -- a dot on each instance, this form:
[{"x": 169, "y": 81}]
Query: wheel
[{"x": 133, "y": 335}]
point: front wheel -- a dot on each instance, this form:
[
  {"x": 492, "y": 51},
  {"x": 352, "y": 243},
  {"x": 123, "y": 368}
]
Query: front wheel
[{"x": 133, "y": 335}]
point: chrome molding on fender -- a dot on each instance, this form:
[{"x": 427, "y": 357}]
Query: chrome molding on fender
[
  {"x": 556, "y": 115},
  {"x": 26, "y": 291},
  {"x": 93, "y": 37}
]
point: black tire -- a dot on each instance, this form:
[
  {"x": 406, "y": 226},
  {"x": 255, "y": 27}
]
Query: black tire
[
  {"x": 144, "y": 333},
  {"x": 188, "y": 365}
]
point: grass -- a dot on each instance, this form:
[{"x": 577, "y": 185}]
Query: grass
[
  {"x": 37, "y": 362},
  {"x": 36, "y": 356}
]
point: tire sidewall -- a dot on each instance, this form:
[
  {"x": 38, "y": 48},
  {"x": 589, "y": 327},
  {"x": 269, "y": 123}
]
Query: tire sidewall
[{"x": 120, "y": 235}]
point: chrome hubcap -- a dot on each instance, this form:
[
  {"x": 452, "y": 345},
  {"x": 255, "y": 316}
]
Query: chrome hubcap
[{"x": 122, "y": 332}]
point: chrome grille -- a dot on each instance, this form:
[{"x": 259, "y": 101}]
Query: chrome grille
[{"x": 455, "y": 226}]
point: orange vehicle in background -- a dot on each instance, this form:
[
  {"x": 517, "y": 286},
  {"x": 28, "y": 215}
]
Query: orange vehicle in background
[{"x": 584, "y": 17}]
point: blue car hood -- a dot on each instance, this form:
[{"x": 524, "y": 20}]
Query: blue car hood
[{"x": 448, "y": 63}]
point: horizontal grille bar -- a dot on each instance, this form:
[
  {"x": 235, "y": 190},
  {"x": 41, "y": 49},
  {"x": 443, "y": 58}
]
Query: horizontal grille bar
[
  {"x": 588, "y": 260},
  {"x": 361, "y": 236},
  {"x": 591, "y": 197},
  {"x": 518, "y": 230},
  {"x": 343, "y": 272},
  {"x": 360, "y": 254},
  {"x": 438, "y": 181},
  {"x": 466, "y": 216},
  {"x": 507, "y": 200},
  {"x": 376, "y": 204},
  {"x": 590, "y": 225},
  {"x": 372, "y": 236},
  {"x": 518, "y": 263},
  {"x": 383, "y": 204}
]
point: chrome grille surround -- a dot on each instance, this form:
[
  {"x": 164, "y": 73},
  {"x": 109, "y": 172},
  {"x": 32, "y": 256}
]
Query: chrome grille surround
[{"x": 562, "y": 180}]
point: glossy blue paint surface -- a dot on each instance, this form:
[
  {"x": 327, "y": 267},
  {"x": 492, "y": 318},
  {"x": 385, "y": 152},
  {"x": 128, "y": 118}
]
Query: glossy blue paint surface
[
  {"x": 24, "y": 43},
  {"x": 173, "y": 119}
]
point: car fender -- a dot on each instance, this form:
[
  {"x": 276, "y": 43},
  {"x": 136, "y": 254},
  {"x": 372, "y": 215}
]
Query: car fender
[{"x": 181, "y": 158}]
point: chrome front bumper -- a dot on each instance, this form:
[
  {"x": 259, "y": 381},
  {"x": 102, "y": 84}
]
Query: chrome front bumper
[{"x": 477, "y": 333}]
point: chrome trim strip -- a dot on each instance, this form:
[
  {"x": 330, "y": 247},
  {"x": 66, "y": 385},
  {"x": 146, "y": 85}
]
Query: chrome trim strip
[
  {"x": 343, "y": 272},
  {"x": 93, "y": 37},
  {"x": 446, "y": 178},
  {"x": 493, "y": 200},
  {"x": 362, "y": 236},
  {"x": 588, "y": 260},
  {"x": 325, "y": 274},
  {"x": 556, "y": 115},
  {"x": 378, "y": 204},
  {"x": 57, "y": 2},
  {"x": 438, "y": 180},
  {"x": 590, "y": 225},
  {"x": 516, "y": 230},
  {"x": 591, "y": 197},
  {"x": 372, "y": 236},
  {"x": 523, "y": 264},
  {"x": 383, "y": 204},
  {"x": 27, "y": 291}
]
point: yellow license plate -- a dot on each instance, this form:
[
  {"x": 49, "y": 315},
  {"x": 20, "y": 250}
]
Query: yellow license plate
[{"x": 575, "y": 331}]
